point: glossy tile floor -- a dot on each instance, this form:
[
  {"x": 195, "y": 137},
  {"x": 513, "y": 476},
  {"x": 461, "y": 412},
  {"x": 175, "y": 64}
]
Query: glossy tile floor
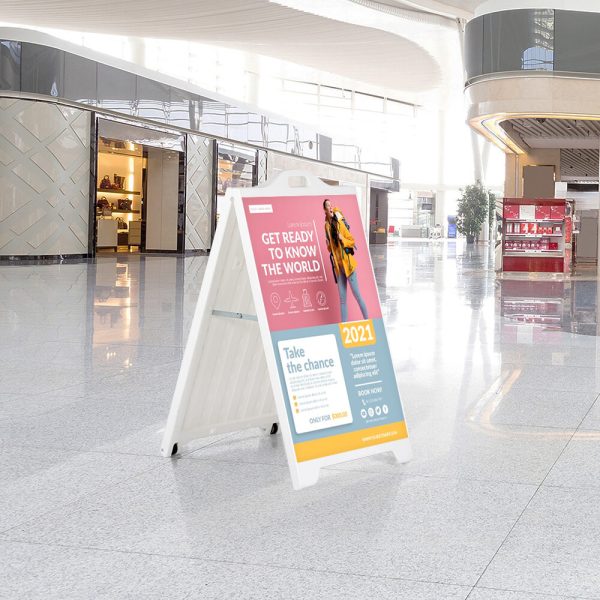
[{"x": 499, "y": 378}]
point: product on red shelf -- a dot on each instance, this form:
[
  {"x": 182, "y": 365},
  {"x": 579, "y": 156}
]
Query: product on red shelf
[
  {"x": 523, "y": 227},
  {"x": 509, "y": 228},
  {"x": 526, "y": 212},
  {"x": 532, "y": 228},
  {"x": 542, "y": 213},
  {"x": 557, "y": 229},
  {"x": 553, "y": 246}
]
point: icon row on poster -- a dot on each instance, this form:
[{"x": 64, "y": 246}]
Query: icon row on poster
[
  {"x": 292, "y": 302},
  {"x": 376, "y": 411}
]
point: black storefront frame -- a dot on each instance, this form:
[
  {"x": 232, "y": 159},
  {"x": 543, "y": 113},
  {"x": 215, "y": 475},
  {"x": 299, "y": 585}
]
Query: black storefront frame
[{"x": 181, "y": 191}]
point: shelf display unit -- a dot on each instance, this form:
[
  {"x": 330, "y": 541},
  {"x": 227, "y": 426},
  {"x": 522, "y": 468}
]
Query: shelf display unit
[
  {"x": 533, "y": 235},
  {"x": 119, "y": 193}
]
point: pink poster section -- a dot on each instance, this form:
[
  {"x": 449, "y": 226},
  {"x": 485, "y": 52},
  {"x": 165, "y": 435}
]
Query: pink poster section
[{"x": 293, "y": 261}]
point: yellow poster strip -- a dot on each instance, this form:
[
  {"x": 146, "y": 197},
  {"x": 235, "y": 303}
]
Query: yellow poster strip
[
  {"x": 344, "y": 442},
  {"x": 358, "y": 333}
]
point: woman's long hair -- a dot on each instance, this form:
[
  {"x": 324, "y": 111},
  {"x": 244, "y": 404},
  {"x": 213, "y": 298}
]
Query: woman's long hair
[{"x": 333, "y": 226}]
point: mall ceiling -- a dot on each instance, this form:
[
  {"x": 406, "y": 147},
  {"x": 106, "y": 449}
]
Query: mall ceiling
[
  {"x": 577, "y": 139},
  {"x": 455, "y": 8},
  {"x": 554, "y": 133},
  {"x": 409, "y": 52},
  {"x": 579, "y": 165}
]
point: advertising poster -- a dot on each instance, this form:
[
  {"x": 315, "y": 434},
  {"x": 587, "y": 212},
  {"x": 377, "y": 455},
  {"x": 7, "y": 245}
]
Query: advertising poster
[{"x": 325, "y": 323}]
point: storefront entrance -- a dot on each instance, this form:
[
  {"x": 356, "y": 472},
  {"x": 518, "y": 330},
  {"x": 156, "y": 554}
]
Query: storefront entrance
[{"x": 140, "y": 200}]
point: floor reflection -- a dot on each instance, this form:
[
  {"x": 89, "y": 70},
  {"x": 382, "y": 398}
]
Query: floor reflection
[
  {"x": 138, "y": 302},
  {"x": 500, "y": 392},
  {"x": 545, "y": 305}
]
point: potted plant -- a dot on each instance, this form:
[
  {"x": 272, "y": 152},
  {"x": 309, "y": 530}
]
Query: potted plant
[
  {"x": 492, "y": 213},
  {"x": 472, "y": 210}
]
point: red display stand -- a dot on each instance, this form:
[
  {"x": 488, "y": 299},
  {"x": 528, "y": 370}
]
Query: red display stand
[{"x": 534, "y": 235}]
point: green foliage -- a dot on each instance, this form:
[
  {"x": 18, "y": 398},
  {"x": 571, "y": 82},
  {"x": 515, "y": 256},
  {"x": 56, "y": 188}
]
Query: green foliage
[
  {"x": 492, "y": 210},
  {"x": 473, "y": 208}
]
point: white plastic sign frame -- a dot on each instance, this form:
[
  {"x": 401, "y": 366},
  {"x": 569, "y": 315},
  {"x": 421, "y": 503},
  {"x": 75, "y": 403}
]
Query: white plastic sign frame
[
  {"x": 223, "y": 383},
  {"x": 190, "y": 392}
]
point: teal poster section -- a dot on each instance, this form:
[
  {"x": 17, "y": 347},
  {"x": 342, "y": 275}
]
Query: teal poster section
[{"x": 311, "y": 360}]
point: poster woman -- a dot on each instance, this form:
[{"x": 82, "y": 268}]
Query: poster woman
[{"x": 340, "y": 244}]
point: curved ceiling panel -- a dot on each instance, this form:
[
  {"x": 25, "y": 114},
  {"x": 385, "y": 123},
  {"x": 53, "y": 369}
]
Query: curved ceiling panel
[
  {"x": 361, "y": 53},
  {"x": 456, "y": 8}
]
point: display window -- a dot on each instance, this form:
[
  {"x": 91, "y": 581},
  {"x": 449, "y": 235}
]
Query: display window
[
  {"x": 236, "y": 168},
  {"x": 140, "y": 189},
  {"x": 119, "y": 195}
]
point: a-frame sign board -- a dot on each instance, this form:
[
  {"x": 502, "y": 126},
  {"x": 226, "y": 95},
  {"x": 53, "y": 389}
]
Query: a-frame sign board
[{"x": 288, "y": 329}]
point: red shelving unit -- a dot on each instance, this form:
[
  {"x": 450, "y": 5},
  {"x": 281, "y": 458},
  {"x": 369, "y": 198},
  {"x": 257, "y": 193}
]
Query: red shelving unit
[{"x": 534, "y": 235}]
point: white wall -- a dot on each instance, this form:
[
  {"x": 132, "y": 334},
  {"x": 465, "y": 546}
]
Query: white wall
[
  {"x": 199, "y": 192},
  {"x": 44, "y": 178},
  {"x": 161, "y": 199}
]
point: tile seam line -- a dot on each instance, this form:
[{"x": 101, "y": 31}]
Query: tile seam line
[
  {"x": 66, "y": 449},
  {"x": 96, "y": 490},
  {"x": 552, "y": 427},
  {"x": 62, "y": 507},
  {"x": 365, "y": 471},
  {"x": 199, "y": 559},
  {"x": 531, "y": 499},
  {"x": 541, "y": 595}
]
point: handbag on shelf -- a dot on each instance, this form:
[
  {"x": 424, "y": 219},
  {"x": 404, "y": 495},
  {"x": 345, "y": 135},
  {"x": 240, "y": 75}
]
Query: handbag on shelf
[
  {"x": 102, "y": 202},
  {"x": 124, "y": 204},
  {"x": 105, "y": 184}
]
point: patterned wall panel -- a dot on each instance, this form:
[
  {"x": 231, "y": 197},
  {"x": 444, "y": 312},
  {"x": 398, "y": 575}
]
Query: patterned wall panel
[
  {"x": 261, "y": 165},
  {"x": 44, "y": 178},
  {"x": 199, "y": 192}
]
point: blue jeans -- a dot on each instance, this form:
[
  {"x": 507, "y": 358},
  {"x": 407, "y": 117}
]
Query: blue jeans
[{"x": 343, "y": 290}]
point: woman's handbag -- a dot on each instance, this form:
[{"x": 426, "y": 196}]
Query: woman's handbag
[{"x": 102, "y": 202}]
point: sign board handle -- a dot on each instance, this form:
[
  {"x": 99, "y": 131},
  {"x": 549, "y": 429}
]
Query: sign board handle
[{"x": 298, "y": 181}]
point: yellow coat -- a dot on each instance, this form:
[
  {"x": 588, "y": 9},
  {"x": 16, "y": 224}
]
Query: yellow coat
[{"x": 346, "y": 240}]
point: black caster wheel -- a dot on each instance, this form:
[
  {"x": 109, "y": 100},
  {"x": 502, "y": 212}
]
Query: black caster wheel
[
  {"x": 174, "y": 451},
  {"x": 274, "y": 428}
]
